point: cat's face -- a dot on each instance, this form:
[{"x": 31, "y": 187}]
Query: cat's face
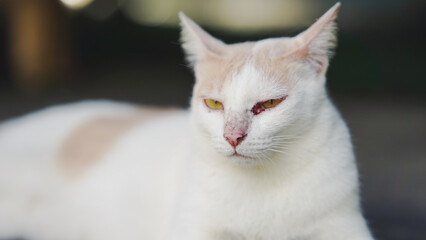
[{"x": 252, "y": 99}]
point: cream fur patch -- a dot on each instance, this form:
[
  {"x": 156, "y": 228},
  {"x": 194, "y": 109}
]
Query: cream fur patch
[
  {"x": 89, "y": 142},
  {"x": 213, "y": 72}
]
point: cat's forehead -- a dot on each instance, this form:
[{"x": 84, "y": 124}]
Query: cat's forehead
[
  {"x": 217, "y": 70},
  {"x": 214, "y": 73}
]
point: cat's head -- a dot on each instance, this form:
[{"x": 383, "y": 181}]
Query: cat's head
[{"x": 252, "y": 99}]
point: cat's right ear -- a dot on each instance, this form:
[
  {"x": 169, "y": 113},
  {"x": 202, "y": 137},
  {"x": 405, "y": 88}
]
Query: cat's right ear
[
  {"x": 197, "y": 43},
  {"x": 319, "y": 40}
]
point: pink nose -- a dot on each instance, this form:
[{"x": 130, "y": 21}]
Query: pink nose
[{"x": 234, "y": 138}]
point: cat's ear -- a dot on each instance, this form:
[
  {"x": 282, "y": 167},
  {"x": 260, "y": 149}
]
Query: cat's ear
[
  {"x": 197, "y": 43},
  {"x": 319, "y": 40}
]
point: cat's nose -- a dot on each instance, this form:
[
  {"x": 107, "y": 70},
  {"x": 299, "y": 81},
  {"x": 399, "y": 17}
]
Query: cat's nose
[{"x": 234, "y": 138}]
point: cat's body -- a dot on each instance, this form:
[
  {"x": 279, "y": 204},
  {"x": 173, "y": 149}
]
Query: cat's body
[
  {"x": 262, "y": 155},
  {"x": 119, "y": 195}
]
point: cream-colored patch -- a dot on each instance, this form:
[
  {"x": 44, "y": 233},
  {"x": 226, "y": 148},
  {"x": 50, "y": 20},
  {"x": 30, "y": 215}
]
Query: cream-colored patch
[
  {"x": 212, "y": 72},
  {"x": 270, "y": 57},
  {"x": 88, "y": 143}
]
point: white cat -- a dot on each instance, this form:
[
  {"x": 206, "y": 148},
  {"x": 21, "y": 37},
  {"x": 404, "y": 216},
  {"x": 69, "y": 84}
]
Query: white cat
[{"x": 261, "y": 155}]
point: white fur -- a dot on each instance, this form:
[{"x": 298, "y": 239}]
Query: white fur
[
  {"x": 143, "y": 192},
  {"x": 308, "y": 190},
  {"x": 197, "y": 48},
  {"x": 127, "y": 196},
  {"x": 174, "y": 177}
]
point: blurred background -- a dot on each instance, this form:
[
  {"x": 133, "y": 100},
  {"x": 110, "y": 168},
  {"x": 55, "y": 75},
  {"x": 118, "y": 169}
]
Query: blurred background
[{"x": 58, "y": 51}]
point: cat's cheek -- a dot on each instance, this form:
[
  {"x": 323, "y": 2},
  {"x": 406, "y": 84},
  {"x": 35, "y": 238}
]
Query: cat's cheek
[
  {"x": 222, "y": 147},
  {"x": 213, "y": 111},
  {"x": 211, "y": 123},
  {"x": 270, "y": 123}
]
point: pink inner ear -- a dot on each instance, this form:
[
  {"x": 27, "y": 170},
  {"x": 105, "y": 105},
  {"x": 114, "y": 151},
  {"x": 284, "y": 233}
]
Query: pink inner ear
[
  {"x": 318, "y": 40},
  {"x": 197, "y": 43},
  {"x": 319, "y": 62}
]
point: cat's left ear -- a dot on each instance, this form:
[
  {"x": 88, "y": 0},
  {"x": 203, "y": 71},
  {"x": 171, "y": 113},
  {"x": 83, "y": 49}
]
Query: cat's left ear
[
  {"x": 197, "y": 43},
  {"x": 319, "y": 40}
]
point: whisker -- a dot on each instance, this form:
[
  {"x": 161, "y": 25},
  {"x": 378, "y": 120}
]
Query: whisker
[
  {"x": 278, "y": 151},
  {"x": 280, "y": 145},
  {"x": 268, "y": 159}
]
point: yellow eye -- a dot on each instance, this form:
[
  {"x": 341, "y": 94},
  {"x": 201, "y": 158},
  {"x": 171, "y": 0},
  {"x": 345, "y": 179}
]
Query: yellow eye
[
  {"x": 213, "y": 104},
  {"x": 272, "y": 103}
]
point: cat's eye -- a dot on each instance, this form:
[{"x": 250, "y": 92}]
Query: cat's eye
[
  {"x": 262, "y": 106},
  {"x": 272, "y": 103},
  {"x": 213, "y": 104}
]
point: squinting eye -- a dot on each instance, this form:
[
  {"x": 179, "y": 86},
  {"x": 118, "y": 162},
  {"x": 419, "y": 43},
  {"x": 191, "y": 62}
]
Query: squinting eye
[
  {"x": 213, "y": 104},
  {"x": 262, "y": 106},
  {"x": 272, "y": 103}
]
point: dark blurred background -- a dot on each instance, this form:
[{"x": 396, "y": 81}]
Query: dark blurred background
[{"x": 58, "y": 51}]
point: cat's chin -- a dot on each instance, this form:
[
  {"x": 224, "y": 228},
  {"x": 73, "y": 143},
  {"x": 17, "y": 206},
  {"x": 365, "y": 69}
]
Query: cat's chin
[{"x": 244, "y": 161}]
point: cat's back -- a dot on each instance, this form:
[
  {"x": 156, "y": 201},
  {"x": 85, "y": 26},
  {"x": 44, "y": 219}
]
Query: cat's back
[
  {"x": 73, "y": 136},
  {"x": 75, "y": 148}
]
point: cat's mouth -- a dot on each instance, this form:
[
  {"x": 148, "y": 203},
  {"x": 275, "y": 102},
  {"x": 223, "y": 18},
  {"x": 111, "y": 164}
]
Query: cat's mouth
[
  {"x": 243, "y": 160},
  {"x": 236, "y": 154}
]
